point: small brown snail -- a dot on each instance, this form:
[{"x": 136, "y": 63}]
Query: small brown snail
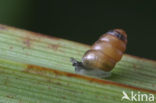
[{"x": 103, "y": 55}]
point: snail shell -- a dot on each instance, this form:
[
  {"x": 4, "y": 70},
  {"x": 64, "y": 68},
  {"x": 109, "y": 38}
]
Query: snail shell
[{"x": 107, "y": 51}]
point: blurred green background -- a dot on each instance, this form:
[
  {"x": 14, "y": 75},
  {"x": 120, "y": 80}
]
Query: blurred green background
[{"x": 84, "y": 21}]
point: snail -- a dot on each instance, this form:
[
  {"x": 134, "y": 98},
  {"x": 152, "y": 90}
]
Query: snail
[{"x": 103, "y": 55}]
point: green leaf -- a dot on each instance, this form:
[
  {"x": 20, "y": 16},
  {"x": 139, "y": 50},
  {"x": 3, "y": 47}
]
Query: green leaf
[{"x": 36, "y": 68}]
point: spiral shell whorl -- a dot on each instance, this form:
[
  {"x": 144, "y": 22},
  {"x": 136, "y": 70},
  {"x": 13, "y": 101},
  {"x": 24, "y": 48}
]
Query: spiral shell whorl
[{"x": 105, "y": 52}]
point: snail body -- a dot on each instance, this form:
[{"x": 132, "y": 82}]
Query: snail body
[{"x": 103, "y": 55}]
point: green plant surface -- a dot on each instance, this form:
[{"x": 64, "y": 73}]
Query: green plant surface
[
  {"x": 28, "y": 83},
  {"x": 36, "y": 68}
]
